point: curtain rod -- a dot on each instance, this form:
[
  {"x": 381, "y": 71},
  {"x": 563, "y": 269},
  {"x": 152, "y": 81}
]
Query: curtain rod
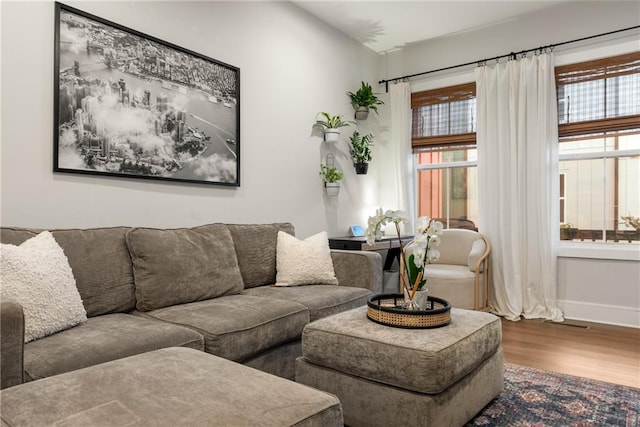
[{"x": 508, "y": 55}]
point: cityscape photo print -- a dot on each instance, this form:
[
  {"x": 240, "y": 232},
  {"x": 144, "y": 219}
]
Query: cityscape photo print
[{"x": 131, "y": 105}]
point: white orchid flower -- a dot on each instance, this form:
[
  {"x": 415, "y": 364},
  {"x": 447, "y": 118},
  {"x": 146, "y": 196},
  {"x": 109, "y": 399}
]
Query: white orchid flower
[
  {"x": 399, "y": 217},
  {"x": 434, "y": 255},
  {"x": 438, "y": 227},
  {"x": 422, "y": 224},
  {"x": 421, "y": 240},
  {"x": 418, "y": 256},
  {"x": 381, "y": 218}
]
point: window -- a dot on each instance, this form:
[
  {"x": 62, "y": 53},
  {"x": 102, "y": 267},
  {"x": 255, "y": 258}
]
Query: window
[
  {"x": 599, "y": 129},
  {"x": 448, "y": 187},
  {"x": 443, "y": 137}
]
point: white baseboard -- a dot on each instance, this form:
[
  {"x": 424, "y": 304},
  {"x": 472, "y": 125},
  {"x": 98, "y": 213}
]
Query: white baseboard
[{"x": 601, "y": 313}]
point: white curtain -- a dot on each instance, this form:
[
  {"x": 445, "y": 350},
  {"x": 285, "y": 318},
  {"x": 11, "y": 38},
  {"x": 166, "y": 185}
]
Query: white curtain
[
  {"x": 401, "y": 157},
  {"x": 517, "y": 139}
]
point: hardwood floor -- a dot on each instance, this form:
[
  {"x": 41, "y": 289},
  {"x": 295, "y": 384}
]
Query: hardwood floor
[{"x": 601, "y": 352}]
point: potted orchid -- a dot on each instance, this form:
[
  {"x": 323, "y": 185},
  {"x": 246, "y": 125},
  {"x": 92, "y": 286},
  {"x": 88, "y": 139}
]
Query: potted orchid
[{"x": 414, "y": 257}]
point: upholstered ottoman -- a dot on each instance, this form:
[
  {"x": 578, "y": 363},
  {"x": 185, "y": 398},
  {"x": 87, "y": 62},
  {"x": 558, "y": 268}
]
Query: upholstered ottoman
[
  {"x": 168, "y": 387},
  {"x": 387, "y": 376}
]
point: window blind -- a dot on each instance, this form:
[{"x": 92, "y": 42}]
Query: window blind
[
  {"x": 599, "y": 96},
  {"x": 444, "y": 118}
]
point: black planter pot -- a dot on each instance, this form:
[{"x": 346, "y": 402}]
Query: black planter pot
[{"x": 361, "y": 168}]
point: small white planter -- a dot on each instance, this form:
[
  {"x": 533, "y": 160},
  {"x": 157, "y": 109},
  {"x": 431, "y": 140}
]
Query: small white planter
[
  {"x": 331, "y": 135},
  {"x": 362, "y": 113},
  {"x": 333, "y": 188}
]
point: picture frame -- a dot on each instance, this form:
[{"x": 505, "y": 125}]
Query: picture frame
[{"x": 129, "y": 105}]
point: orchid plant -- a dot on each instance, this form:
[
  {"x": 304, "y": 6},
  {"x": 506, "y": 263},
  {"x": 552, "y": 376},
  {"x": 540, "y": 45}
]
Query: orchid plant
[{"x": 417, "y": 254}]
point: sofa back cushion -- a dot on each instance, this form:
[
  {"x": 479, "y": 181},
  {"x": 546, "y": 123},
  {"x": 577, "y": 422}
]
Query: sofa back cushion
[
  {"x": 179, "y": 266},
  {"x": 100, "y": 263},
  {"x": 256, "y": 250}
]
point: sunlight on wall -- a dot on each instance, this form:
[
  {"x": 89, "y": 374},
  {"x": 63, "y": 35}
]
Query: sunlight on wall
[{"x": 370, "y": 200}]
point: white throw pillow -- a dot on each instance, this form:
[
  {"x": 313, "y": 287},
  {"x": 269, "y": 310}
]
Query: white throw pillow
[
  {"x": 37, "y": 275},
  {"x": 304, "y": 262}
]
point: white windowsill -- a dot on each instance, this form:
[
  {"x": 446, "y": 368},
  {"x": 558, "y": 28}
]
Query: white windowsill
[{"x": 600, "y": 250}]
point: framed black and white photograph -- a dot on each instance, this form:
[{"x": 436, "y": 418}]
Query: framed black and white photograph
[{"x": 130, "y": 105}]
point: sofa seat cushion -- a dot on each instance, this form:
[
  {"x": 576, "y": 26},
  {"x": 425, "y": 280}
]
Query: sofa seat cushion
[
  {"x": 321, "y": 300},
  {"x": 238, "y": 327},
  {"x": 169, "y": 387},
  {"x": 101, "y": 339}
]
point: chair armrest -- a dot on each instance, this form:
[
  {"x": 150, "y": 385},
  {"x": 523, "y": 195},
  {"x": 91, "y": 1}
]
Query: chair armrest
[
  {"x": 361, "y": 269},
  {"x": 11, "y": 343},
  {"x": 479, "y": 252}
]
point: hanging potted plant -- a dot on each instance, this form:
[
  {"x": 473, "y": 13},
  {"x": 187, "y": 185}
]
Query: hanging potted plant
[
  {"x": 331, "y": 125},
  {"x": 364, "y": 100},
  {"x": 331, "y": 177},
  {"x": 360, "y": 150}
]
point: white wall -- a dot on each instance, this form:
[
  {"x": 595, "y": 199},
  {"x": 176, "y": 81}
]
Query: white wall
[
  {"x": 589, "y": 288},
  {"x": 600, "y": 290},
  {"x": 292, "y": 66}
]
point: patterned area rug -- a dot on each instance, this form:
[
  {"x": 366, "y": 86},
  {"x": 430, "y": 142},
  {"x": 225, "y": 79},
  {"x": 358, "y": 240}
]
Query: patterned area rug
[{"x": 533, "y": 397}]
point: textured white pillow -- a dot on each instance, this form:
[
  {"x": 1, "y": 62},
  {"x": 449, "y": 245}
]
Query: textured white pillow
[
  {"x": 304, "y": 262},
  {"x": 38, "y": 276}
]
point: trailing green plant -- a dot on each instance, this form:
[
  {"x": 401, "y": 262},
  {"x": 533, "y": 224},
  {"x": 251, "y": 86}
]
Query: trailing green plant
[
  {"x": 364, "y": 97},
  {"x": 327, "y": 121},
  {"x": 330, "y": 173},
  {"x": 360, "y": 148}
]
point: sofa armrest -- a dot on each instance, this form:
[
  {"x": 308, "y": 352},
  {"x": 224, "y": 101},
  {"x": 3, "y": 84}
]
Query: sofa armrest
[
  {"x": 11, "y": 343},
  {"x": 361, "y": 269}
]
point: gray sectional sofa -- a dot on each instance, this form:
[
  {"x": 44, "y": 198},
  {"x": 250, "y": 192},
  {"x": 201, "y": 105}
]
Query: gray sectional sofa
[{"x": 208, "y": 288}]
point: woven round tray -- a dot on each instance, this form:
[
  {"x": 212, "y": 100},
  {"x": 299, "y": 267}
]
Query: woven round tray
[{"x": 386, "y": 310}]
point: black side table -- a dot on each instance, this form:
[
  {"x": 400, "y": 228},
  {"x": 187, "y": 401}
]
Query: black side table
[{"x": 389, "y": 244}]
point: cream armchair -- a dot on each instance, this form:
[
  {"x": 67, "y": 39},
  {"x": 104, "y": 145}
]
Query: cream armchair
[{"x": 461, "y": 275}]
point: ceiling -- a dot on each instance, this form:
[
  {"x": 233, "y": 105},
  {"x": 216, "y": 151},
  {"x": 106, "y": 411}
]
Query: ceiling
[{"x": 385, "y": 26}]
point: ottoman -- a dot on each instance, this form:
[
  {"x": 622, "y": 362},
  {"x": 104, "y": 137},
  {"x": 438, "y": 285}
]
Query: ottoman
[
  {"x": 388, "y": 376},
  {"x": 168, "y": 387}
]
